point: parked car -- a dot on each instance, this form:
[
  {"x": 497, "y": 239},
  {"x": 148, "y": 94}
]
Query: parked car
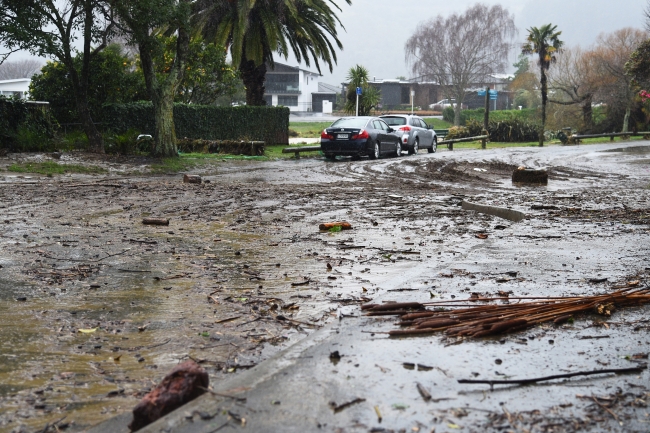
[
  {"x": 441, "y": 105},
  {"x": 414, "y": 132},
  {"x": 359, "y": 136}
]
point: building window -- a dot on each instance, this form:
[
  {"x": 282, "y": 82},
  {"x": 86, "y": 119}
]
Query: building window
[
  {"x": 282, "y": 83},
  {"x": 268, "y": 99},
  {"x": 288, "y": 101}
]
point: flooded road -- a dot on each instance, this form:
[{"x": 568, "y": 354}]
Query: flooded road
[{"x": 97, "y": 307}]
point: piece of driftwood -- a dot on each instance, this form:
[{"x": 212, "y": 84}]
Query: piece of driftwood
[
  {"x": 192, "y": 178},
  {"x": 156, "y": 221},
  {"x": 530, "y": 176},
  {"x": 343, "y": 224}
]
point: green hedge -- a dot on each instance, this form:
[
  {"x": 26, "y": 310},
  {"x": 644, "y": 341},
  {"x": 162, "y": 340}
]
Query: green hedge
[
  {"x": 505, "y": 131},
  {"x": 528, "y": 114},
  {"x": 25, "y": 127},
  {"x": 207, "y": 122}
]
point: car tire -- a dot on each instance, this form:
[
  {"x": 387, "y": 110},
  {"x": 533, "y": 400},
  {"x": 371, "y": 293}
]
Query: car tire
[
  {"x": 416, "y": 147},
  {"x": 376, "y": 151},
  {"x": 434, "y": 145},
  {"x": 398, "y": 149}
]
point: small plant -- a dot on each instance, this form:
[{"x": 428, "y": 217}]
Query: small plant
[{"x": 335, "y": 229}]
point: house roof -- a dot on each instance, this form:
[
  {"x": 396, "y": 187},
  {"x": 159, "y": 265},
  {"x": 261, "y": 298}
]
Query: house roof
[
  {"x": 281, "y": 67},
  {"x": 328, "y": 88}
]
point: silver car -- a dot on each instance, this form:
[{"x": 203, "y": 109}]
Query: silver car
[{"x": 415, "y": 133}]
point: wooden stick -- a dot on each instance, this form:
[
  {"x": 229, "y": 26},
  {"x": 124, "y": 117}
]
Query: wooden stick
[{"x": 556, "y": 376}]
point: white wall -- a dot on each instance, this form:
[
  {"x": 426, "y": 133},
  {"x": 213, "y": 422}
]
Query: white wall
[{"x": 11, "y": 87}]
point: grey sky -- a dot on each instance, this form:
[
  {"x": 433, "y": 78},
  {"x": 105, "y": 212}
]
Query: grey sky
[{"x": 376, "y": 30}]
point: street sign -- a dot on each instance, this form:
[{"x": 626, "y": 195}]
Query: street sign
[
  {"x": 481, "y": 93},
  {"x": 358, "y": 90},
  {"x": 493, "y": 95}
]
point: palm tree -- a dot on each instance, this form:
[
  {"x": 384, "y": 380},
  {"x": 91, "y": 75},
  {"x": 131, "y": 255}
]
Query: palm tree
[
  {"x": 308, "y": 28},
  {"x": 544, "y": 42},
  {"x": 358, "y": 77}
]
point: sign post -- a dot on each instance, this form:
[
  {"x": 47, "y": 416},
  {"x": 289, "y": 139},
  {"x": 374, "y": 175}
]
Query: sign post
[
  {"x": 412, "y": 100},
  {"x": 358, "y": 93}
]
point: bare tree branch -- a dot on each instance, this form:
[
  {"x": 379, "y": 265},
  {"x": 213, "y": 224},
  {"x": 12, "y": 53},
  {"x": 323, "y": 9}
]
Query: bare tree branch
[
  {"x": 20, "y": 69},
  {"x": 462, "y": 50}
]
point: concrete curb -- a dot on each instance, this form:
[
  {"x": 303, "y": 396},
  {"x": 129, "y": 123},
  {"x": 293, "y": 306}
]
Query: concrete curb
[
  {"x": 231, "y": 386},
  {"x": 509, "y": 214}
]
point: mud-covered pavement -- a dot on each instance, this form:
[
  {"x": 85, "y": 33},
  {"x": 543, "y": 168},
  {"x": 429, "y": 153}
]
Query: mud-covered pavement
[{"x": 96, "y": 307}]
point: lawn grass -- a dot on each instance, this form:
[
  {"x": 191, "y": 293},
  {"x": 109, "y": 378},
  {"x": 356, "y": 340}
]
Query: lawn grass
[
  {"x": 437, "y": 123},
  {"x": 50, "y": 168},
  {"x": 309, "y": 129},
  {"x": 493, "y": 145}
]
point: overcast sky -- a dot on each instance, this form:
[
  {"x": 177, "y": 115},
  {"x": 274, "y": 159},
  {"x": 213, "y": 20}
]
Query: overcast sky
[{"x": 376, "y": 30}]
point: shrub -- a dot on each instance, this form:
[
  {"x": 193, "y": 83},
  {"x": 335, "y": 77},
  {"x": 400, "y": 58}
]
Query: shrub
[
  {"x": 24, "y": 126},
  {"x": 457, "y": 132},
  {"x": 513, "y": 130},
  {"x": 208, "y": 122}
]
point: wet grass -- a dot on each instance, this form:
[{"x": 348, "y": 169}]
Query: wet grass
[
  {"x": 308, "y": 129},
  {"x": 188, "y": 161},
  {"x": 50, "y": 168}
]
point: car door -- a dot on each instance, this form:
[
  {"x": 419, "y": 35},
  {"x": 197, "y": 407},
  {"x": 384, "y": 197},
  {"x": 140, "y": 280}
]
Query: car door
[
  {"x": 390, "y": 138},
  {"x": 426, "y": 133},
  {"x": 381, "y": 133}
]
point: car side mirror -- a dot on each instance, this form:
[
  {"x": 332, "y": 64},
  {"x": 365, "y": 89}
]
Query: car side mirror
[
  {"x": 390, "y": 129},
  {"x": 428, "y": 126}
]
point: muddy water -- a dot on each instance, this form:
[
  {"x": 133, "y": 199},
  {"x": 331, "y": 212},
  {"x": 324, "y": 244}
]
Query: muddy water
[{"x": 239, "y": 250}]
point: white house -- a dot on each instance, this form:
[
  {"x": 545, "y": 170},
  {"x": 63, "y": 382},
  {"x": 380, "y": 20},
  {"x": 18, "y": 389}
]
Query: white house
[
  {"x": 295, "y": 88},
  {"x": 18, "y": 87}
]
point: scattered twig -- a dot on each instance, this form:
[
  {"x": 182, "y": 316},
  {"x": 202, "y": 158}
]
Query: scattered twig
[
  {"x": 339, "y": 407},
  {"x": 555, "y": 376}
]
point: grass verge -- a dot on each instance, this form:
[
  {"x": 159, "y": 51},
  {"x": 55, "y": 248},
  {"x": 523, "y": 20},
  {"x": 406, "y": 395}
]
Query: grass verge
[{"x": 51, "y": 168}]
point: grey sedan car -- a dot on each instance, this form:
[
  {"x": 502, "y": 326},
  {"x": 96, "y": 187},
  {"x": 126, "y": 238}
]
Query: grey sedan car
[{"x": 415, "y": 133}]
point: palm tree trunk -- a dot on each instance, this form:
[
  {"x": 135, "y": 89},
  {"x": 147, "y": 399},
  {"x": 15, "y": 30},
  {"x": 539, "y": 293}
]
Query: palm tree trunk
[
  {"x": 253, "y": 77},
  {"x": 544, "y": 83}
]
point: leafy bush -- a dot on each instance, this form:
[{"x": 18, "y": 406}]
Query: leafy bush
[
  {"x": 112, "y": 80},
  {"x": 24, "y": 126},
  {"x": 123, "y": 144},
  {"x": 513, "y": 131},
  {"x": 208, "y": 122},
  {"x": 498, "y": 115},
  {"x": 457, "y": 132}
]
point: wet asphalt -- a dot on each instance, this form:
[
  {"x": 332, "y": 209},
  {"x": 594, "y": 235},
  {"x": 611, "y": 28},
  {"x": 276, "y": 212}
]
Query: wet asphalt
[{"x": 351, "y": 376}]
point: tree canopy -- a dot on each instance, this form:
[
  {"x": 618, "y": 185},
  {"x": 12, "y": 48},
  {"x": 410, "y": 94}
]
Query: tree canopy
[
  {"x": 306, "y": 28},
  {"x": 462, "y": 50},
  {"x": 49, "y": 28},
  {"x": 358, "y": 77}
]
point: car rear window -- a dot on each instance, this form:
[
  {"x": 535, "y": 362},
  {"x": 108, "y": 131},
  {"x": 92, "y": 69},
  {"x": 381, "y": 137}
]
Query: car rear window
[
  {"x": 350, "y": 122},
  {"x": 392, "y": 121}
]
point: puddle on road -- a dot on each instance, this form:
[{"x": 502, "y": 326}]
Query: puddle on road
[{"x": 636, "y": 150}]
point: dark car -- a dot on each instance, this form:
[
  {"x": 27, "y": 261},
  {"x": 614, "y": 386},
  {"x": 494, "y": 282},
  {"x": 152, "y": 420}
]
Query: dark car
[
  {"x": 359, "y": 136},
  {"x": 415, "y": 133}
]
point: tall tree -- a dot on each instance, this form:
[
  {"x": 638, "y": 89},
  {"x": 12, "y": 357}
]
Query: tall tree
[
  {"x": 545, "y": 42},
  {"x": 612, "y": 52},
  {"x": 638, "y": 67},
  {"x": 143, "y": 21},
  {"x": 646, "y": 13},
  {"x": 49, "y": 28},
  {"x": 575, "y": 81},
  {"x": 461, "y": 51},
  {"x": 307, "y": 28}
]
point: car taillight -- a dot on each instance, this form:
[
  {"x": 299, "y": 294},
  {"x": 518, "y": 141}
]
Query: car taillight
[
  {"x": 405, "y": 128},
  {"x": 363, "y": 134},
  {"x": 325, "y": 135}
]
